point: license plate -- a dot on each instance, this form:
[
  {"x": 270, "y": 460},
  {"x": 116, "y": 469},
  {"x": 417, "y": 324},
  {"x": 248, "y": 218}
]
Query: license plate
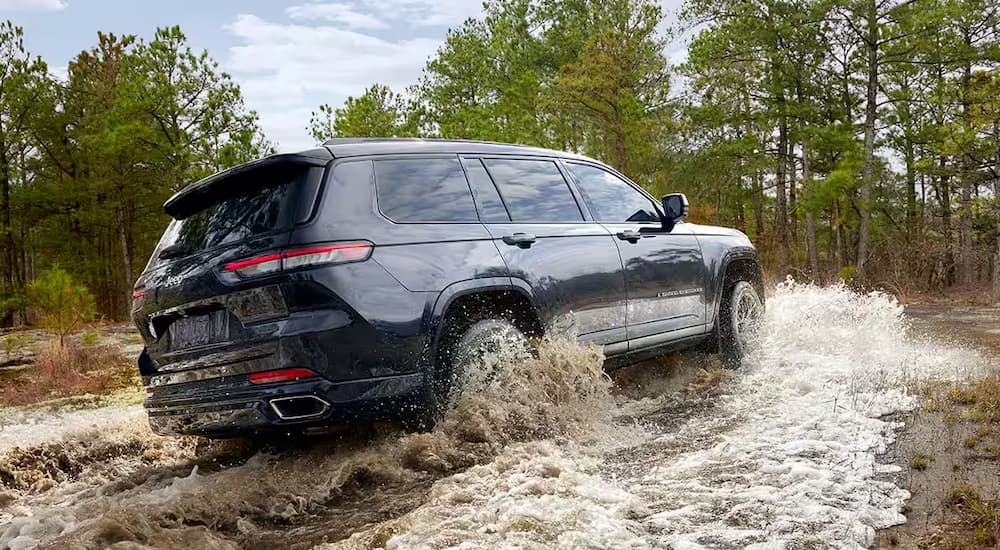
[{"x": 199, "y": 330}]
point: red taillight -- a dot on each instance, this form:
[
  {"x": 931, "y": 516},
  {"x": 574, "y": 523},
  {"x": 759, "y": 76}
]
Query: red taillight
[
  {"x": 299, "y": 257},
  {"x": 283, "y": 375},
  {"x": 242, "y": 264}
]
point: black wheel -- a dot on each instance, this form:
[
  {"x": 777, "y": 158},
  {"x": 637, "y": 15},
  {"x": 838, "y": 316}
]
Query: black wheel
[
  {"x": 472, "y": 355},
  {"x": 739, "y": 318}
]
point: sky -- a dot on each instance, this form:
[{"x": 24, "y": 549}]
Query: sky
[{"x": 289, "y": 57}]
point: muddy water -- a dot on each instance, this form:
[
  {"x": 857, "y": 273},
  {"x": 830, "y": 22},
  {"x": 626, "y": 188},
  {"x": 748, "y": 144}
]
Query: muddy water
[
  {"x": 297, "y": 492},
  {"x": 543, "y": 452}
]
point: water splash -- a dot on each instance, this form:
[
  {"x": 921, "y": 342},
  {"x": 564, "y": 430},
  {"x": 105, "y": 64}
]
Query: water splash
[
  {"x": 556, "y": 392},
  {"x": 539, "y": 453},
  {"x": 800, "y": 466},
  {"x": 785, "y": 456}
]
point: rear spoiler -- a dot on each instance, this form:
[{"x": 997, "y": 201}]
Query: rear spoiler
[{"x": 192, "y": 198}]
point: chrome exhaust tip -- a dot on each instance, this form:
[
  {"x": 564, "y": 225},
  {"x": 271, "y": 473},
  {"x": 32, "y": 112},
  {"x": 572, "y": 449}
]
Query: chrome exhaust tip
[{"x": 299, "y": 407}]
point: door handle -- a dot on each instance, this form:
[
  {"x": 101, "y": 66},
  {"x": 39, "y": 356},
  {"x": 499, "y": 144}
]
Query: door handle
[
  {"x": 630, "y": 235},
  {"x": 520, "y": 240}
]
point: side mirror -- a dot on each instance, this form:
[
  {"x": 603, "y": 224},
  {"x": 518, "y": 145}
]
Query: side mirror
[{"x": 675, "y": 209}]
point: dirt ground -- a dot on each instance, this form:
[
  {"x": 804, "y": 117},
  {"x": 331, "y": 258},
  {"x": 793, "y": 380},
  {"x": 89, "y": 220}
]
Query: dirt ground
[
  {"x": 35, "y": 368},
  {"x": 946, "y": 453}
]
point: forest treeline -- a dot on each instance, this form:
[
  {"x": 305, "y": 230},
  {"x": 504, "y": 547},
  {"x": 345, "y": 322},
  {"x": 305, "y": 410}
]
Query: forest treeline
[
  {"x": 86, "y": 161},
  {"x": 848, "y": 138}
]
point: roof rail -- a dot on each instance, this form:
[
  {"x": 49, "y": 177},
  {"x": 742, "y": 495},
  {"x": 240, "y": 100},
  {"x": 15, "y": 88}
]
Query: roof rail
[{"x": 349, "y": 140}]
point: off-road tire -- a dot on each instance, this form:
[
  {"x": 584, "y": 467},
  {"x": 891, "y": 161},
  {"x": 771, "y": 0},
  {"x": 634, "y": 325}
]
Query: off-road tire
[
  {"x": 460, "y": 345},
  {"x": 733, "y": 341}
]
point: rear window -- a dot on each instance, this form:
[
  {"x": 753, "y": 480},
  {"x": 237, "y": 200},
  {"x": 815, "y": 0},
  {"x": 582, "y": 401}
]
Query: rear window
[
  {"x": 260, "y": 206},
  {"x": 424, "y": 190}
]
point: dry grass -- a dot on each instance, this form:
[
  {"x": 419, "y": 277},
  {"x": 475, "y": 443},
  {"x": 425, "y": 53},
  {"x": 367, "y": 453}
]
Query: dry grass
[
  {"x": 980, "y": 519},
  {"x": 975, "y": 295},
  {"x": 987, "y": 400},
  {"x": 962, "y": 396},
  {"x": 71, "y": 369},
  {"x": 920, "y": 462},
  {"x": 966, "y": 515}
]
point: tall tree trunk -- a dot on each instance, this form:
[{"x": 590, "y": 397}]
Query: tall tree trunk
[
  {"x": 868, "y": 172},
  {"x": 996, "y": 256},
  {"x": 838, "y": 234},
  {"x": 995, "y": 176},
  {"x": 968, "y": 275},
  {"x": 793, "y": 225},
  {"x": 996, "y": 214},
  {"x": 718, "y": 205},
  {"x": 741, "y": 215},
  {"x": 911, "y": 185},
  {"x": 757, "y": 202},
  {"x": 781, "y": 212},
  {"x": 9, "y": 255},
  {"x": 910, "y": 163},
  {"x": 944, "y": 187},
  {"x": 965, "y": 250},
  {"x": 124, "y": 242},
  {"x": 811, "y": 250}
]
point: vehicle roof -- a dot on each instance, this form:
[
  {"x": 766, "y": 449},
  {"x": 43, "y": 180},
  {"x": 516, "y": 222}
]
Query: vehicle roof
[{"x": 351, "y": 147}]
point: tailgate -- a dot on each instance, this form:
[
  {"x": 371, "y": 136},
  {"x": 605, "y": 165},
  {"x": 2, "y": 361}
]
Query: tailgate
[{"x": 187, "y": 302}]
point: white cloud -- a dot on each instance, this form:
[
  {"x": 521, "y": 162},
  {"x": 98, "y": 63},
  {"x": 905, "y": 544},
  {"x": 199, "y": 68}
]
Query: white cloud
[
  {"x": 33, "y": 5},
  {"x": 378, "y": 14},
  {"x": 330, "y": 50},
  {"x": 428, "y": 12},
  {"x": 59, "y": 72},
  {"x": 286, "y": 70},
  {"x": 337, "y": 13}
]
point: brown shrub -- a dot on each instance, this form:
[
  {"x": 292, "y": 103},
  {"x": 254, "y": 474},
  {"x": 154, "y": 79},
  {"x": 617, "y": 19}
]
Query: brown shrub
[
  {"x": 987, "y": 392},
  {"x": 69, "y": 369}
]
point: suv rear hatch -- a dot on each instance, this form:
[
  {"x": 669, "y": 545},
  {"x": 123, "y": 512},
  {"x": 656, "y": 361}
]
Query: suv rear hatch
[{"x": 185, "y": 302}]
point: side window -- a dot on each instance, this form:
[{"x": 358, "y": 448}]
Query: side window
[
  {"x": 611, "y": 198},
  {"x": 491, "y": 208},
  {"x": 534, "y": 190},
  {"x": 424, "y": 190}
]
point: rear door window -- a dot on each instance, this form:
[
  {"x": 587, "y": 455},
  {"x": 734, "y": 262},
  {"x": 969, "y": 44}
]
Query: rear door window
[
  {"x": 534, "y": 191},
  {"x": 612, "y": 199},
  {"x": 424, "y": 190},
  {"x": 491, "y": 208}
]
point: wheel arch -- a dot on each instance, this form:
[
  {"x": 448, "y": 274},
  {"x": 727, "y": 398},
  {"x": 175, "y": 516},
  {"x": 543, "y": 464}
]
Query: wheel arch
[
  {"x": 470, "y": 298},
  {"x": 740, "y": 264}
]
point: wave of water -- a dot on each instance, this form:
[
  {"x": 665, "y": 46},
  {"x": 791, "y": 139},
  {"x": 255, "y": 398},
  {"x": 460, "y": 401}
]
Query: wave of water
[
  {"x": 785, "y": 457},
  {"x": 276, "y": 493}
]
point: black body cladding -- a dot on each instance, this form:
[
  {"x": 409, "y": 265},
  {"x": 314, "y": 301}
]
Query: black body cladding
[{"x": 345, "y": 260}]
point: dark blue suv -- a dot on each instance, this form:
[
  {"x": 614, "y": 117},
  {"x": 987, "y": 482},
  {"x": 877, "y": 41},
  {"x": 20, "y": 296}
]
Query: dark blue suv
[{"x": 340, "y": 283}]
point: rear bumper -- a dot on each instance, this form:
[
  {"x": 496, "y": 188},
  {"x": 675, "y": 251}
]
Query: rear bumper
[{"x": 231, "y": 411}]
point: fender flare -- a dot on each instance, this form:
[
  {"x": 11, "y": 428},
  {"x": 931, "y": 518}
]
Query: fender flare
[
  {"x": 456, "y": 290},
  {"x": 735, "y": 253},
  {"x": 471, "y": 286}
]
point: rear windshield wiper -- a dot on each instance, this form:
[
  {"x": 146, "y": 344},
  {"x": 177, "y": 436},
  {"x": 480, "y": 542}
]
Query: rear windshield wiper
[{"x": 173, "y": 251}]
